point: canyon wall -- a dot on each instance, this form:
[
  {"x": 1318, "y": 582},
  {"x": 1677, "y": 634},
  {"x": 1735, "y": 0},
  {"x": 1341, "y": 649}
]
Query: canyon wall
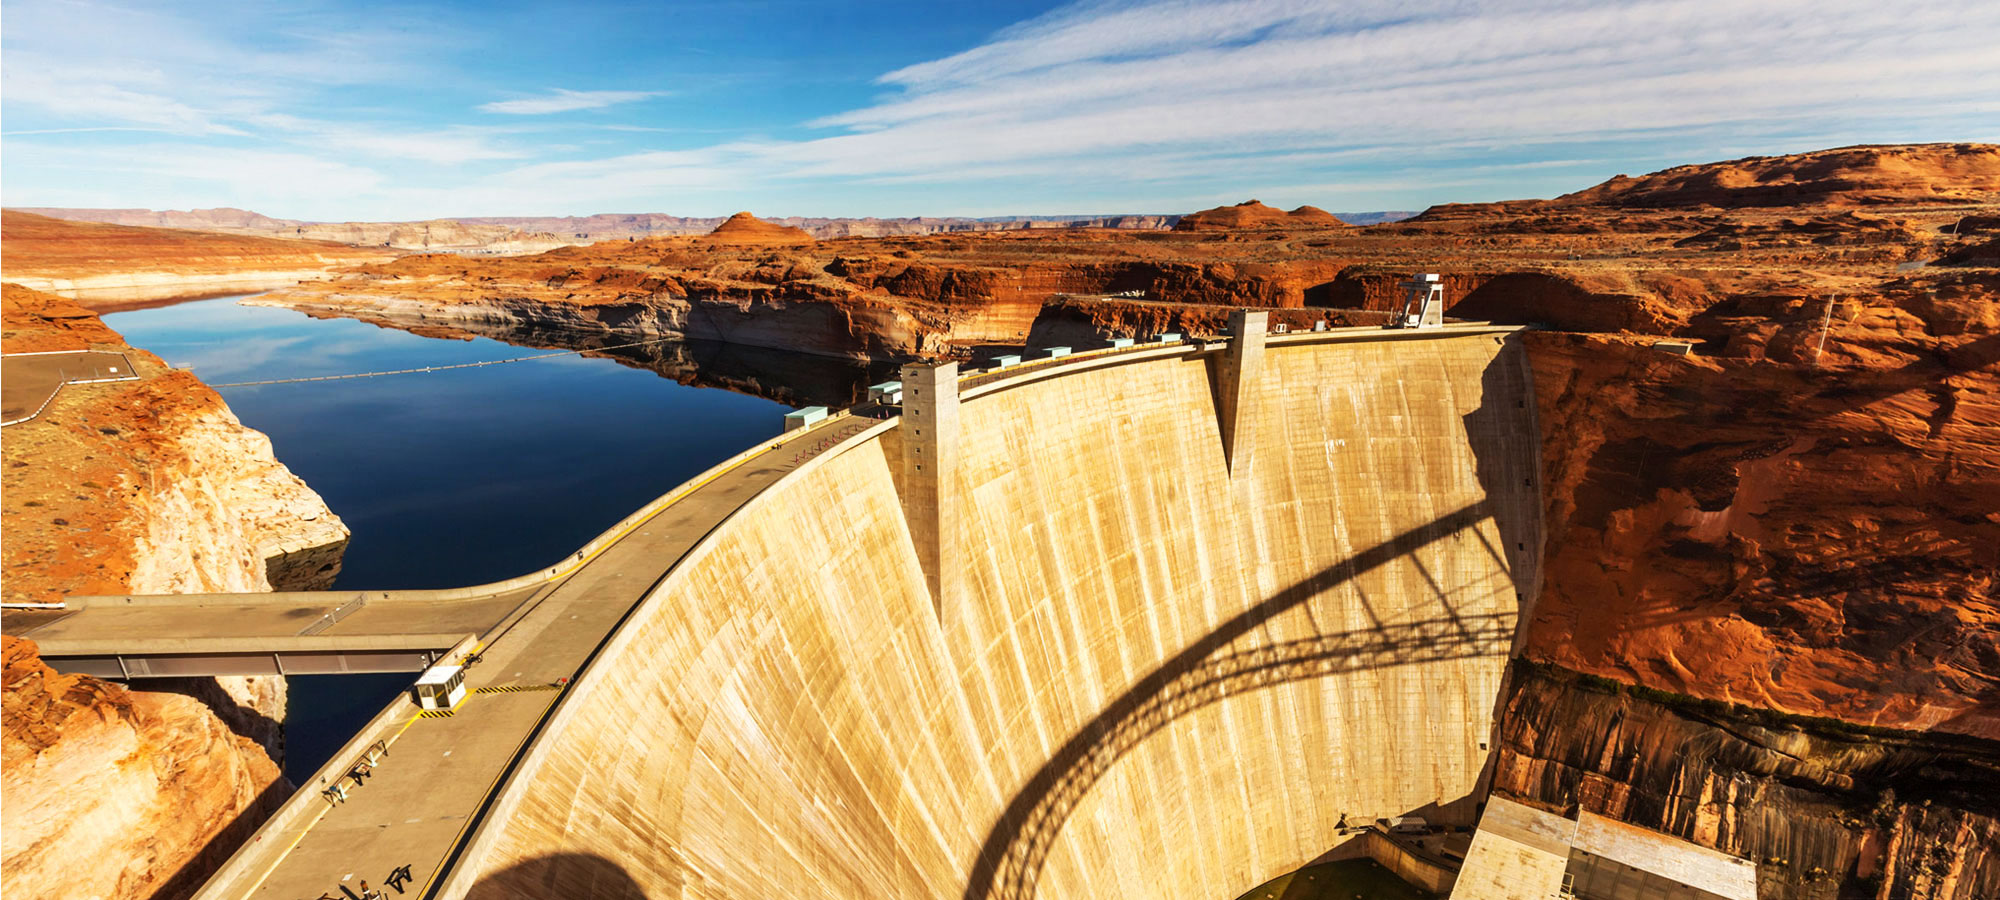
[
  {"x": 1811, "y": 538},
  {"x": 1155, "y": 678},
  {"x": 108, "y": 265},
  {"x": 1825, "y": 808},
  {"x": 144, "y": 486},
  {"x": 119, "y": 794}
]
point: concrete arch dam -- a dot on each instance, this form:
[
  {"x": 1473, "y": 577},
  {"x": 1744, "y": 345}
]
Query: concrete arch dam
[{"x": 1149, "y": 628}]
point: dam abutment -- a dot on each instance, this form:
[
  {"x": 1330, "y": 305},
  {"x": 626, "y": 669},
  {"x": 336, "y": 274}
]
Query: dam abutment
[{"x": 1163, "y": 672}]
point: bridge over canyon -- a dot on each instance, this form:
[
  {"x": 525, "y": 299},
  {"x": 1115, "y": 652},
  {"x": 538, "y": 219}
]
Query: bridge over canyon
[{"x": 1149, "y": 621}]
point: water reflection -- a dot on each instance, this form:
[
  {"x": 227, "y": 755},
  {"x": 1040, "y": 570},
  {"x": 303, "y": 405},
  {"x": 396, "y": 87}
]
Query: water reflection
[
  {"x": 474, "y": 475},
  {"x": 794, "y": 379}
]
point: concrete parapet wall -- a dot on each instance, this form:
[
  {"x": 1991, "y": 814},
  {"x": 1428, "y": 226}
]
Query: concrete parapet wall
[{"x": 1163, "y": 681}]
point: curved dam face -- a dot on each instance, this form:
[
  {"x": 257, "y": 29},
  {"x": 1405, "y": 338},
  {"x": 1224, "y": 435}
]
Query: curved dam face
[{"x": 1162, "y": 671}]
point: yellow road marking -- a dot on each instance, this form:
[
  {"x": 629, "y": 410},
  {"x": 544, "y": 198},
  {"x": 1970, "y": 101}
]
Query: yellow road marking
[
  {"x": 680, "y": 493},
  {"x": 469, "y": 819}
]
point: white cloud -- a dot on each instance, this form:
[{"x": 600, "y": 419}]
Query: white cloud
[
  {"x": 1108, "y": 103},
  {"x": 1256, "y": 75},
  {"x": 182, "y": 175},
  {"x": 100, "y": 101},
  {"x": 564, "y": 101},
  {"x": 444, "y": 146}
]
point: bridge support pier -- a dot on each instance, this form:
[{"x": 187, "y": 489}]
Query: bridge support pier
[
  {"x": 1241, "y": 371},
  {"x": 930, "y": 468}
]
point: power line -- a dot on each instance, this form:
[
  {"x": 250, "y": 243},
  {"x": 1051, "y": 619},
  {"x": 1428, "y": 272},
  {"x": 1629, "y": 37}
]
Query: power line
[{"x": 470, "y": 365}]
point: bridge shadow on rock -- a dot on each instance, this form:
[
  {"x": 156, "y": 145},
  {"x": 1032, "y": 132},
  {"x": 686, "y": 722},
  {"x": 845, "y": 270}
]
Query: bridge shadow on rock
[
  {"x": 1010, "y": 860},
  {"x": 559, "y": 875}
]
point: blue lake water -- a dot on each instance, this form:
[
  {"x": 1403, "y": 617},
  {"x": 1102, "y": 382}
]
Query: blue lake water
[{"x": 473, "y": 475}]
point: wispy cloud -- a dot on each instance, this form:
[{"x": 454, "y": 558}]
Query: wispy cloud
[
  {"x": 561, "y": 100},
  {"x": 1137, "y": 78},
  {"x": 1138, "y": 104},
  {"x": 446, "y": 146}
]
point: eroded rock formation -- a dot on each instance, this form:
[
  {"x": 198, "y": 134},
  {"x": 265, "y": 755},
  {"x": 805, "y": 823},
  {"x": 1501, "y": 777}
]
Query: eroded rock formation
[
  {"x": 146, "y": 486},
  {"x": 1254, "y": 214},
  {"x": 115, "y": 793},
  {"x": 1826, "y": 809},
  {"x": 744, "y": 229},
  {"x": 112, "y": 264}
]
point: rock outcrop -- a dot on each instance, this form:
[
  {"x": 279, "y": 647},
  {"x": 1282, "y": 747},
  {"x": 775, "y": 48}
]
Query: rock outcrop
[
  {"x": 143, "y": 486},
  {"x": 116, "y": 793},
  {"x": 1827, "y": 810},
  {"x": 1253, "y": 214},
  {"x": 746, "y": 229},
  {"x": 112, "y": 264},
  {"x": 1846, "y": 176}
]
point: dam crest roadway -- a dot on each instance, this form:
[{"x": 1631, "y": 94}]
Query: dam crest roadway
[{"x": 1144, "y": 620}]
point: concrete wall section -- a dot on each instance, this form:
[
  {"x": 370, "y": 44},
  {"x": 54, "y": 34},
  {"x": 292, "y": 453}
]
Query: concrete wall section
[
  {"x": 928, "y": 485},
  {"x": 1161, "y": 683}
]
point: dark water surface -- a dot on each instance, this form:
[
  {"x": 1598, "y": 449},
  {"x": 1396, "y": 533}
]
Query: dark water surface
[{"x": 474, "y": 475}]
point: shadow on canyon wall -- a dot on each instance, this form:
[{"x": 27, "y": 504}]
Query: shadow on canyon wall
[{"x": 194, "y": 873}]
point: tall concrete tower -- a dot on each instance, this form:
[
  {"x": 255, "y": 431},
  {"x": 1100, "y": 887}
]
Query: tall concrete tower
[
  {"x": 930, "y": 464},
  {"x": 1241, "y": 370}
]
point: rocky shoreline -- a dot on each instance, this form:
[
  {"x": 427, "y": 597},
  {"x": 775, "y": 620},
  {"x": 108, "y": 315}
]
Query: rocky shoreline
[{"x": 147, "y": 486}]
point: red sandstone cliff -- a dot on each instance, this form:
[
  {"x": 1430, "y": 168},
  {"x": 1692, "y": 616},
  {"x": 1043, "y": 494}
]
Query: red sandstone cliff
[
  {"x": 116, "y": 793},
  {"x": 146, "y": 486},
  {"x": 116, "y": 263}
]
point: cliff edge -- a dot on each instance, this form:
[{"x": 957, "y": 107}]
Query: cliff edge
[
  {"x": 111, "y": 264},
  {"x": 145, "y": 486}
]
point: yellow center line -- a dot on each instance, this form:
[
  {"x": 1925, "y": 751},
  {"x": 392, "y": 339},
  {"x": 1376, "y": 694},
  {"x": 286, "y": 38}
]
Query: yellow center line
[
  {"x": 680, "y": 493},
  {"x": 386, "y": 744},
  {"x": 492, "y": 786}
]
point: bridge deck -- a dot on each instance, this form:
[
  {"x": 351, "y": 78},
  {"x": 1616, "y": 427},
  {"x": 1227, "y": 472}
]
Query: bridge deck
[{"x": 247, "y": 623}]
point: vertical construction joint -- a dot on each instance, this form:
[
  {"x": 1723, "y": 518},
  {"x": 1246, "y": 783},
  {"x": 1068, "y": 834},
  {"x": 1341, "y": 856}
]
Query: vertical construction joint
[
  {"x": 1242, "y": 370},
  {"x": 930, "y": 464}
]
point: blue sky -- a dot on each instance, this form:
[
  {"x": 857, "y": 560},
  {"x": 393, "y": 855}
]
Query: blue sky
[{"x": 372, "y": 111}]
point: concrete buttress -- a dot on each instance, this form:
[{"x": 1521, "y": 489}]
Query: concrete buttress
[
  {"x": 1242, "y": 369},
  {"x": 930, "y": 457}
]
